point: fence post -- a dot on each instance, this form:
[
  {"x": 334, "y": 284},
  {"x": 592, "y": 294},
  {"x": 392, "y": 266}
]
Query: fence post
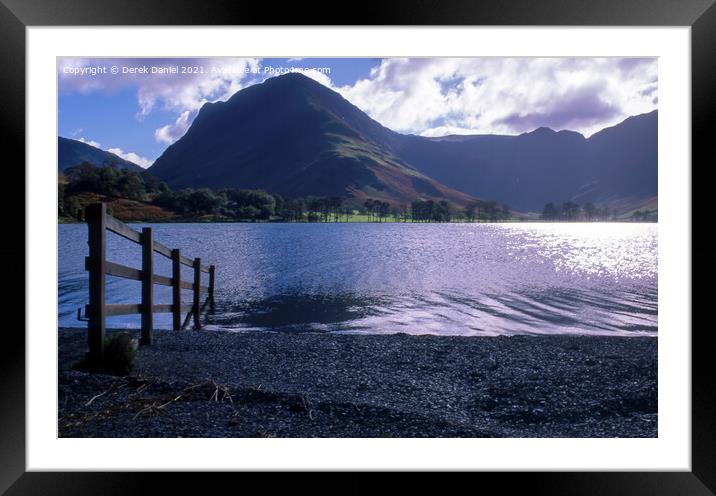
[
  {"x": 147, "y": 285},
  {"x": 197, "y": 293},
  {"x": 95, "y": 215},
  {"x": 176, "y": 289}
]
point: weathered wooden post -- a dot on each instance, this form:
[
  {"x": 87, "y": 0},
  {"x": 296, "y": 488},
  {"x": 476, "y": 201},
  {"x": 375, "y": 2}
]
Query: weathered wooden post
[
  {"x": 197, "y": 293},
  {"x": 95, "y": 215},
  {"x": 147, "y": 285},
  {"x": 176, "y": 289}
]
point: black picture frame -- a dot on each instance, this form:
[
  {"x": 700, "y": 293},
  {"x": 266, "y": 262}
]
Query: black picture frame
[{"x": 16, "y": 15}]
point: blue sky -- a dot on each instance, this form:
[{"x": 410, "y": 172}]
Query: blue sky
[{"x": 137, "y": 115}]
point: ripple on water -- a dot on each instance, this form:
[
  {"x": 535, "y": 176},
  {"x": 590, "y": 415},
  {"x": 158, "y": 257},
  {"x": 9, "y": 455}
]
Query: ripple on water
[{"x": 459, "y": 279}]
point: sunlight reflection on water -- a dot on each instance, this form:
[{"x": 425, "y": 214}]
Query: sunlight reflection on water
[{"x": 460, "y": 279}]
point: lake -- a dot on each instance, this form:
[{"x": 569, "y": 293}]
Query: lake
[{"x": 452, "y": 279}]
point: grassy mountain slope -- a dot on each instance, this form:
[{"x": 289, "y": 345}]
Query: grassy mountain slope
[
  {"x": 293, "y": 136},
  {"x": 72, "y": 152}
]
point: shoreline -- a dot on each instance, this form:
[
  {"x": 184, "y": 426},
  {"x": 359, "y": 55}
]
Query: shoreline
[
  {"x": 270, "y": 384},
  {"x": 234, "y": 221}
]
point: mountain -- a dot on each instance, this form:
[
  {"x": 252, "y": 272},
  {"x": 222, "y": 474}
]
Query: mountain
[
  {"x": 72, "y": 152},
  {"x": 293, "y": 136},
  {"x": 625, "y": 159},
  {"x": 617, "y": 165}
]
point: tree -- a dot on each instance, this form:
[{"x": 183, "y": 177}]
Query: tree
[
  {"x": 279, "y": 203},
  {"x": 417, "y": 209},
  {"x": 369, "y": 205},
  {"x": 604, "y": 212},
  {"x": 71, "y": 207},
  {"x": 248, "y": 212},
  {"x": 443, "y": 212},
  {"x": 203, "y": 201},
  {"x": 383, "y": 210},
  {"x": 589, "y": 211},
  {"x": 335, "y": 203},
  {"x": 423, "y": 211},
  {"x": 570, "y": 210},
  {"x": 395, "y": 213},
  {"x": 112, "y": 181},
  {"x": 470, "y": 212},
  {"x": 314, "y": 205},
  {"x": 405, "y": 212},
  {"x": 550, "y": 212},
  {"x": 491, "y": 210},
  {"x": 506, "y": 211},
  {"x": 129, "y": 186},
  {"x": 298, "y": 207}
]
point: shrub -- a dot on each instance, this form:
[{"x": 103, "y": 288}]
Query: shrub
[{"x": 120, "y": 354}]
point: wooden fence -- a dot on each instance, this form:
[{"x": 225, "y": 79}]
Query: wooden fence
[{"x": 99, "y": 222}]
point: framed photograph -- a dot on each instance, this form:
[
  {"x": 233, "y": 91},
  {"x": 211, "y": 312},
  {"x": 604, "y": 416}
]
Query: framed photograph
[{"x": 441, "y": 238}]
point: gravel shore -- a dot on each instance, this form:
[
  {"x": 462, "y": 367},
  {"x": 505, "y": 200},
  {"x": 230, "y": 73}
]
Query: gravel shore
[{"x": 264, "y": 384}]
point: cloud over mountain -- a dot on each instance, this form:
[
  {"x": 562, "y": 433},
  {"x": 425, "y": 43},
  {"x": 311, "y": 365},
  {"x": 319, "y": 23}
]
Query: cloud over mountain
[
  {"x": 424, "y": 96},
  {"x": 439, "y": 96},
  {"x": 129, "y": 156}
]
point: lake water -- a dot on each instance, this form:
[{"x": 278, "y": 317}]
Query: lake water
[{"x": 453, "y": 279}]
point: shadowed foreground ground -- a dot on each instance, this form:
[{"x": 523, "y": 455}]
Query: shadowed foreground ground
[{"x": 220, "y": 384}]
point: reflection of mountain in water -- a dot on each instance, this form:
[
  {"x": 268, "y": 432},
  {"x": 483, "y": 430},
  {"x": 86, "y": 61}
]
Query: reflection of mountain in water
[{"x": 301, "y": 311}]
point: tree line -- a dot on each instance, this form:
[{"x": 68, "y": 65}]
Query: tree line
[
  {"x": 110, "y": 181},
  {"x": 437, "y": 211},
  {"x": 226, "y": 203},
  {"x": 570, "y": 211},
  {"x": 144, "y": 187},
  {"x": 490, "y": 211},
  {"x": 258, "y": 205}
]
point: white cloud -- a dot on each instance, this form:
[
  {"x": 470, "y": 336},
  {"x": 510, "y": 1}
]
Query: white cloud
[
  {"x": 440, "y": 96},
  {"x": 171, "y": 132},
  {"x": 318, "y": 76},
  {"x": 132, "y": 157},
  {"x": 89, "y": 142},
  {"x": 221, "y": 79}
]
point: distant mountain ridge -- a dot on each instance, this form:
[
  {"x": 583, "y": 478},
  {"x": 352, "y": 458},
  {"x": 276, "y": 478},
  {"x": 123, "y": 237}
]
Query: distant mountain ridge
[
  {"x": 72, "y": 152},
  {"x": 531, "y": 169}
]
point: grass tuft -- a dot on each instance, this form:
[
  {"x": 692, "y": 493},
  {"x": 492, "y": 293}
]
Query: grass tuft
[{"x": 120, "y": 353}]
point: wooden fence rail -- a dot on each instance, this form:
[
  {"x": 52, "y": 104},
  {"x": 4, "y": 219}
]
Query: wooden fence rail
[{"x": 99, "y": 222}]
